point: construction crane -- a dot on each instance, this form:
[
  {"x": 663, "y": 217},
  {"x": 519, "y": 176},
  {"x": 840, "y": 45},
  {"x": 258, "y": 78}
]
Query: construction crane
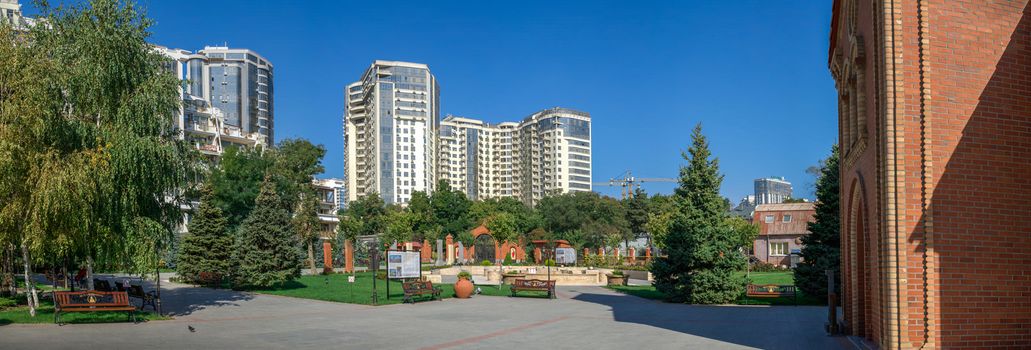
[{"x": 628, "y": 183}]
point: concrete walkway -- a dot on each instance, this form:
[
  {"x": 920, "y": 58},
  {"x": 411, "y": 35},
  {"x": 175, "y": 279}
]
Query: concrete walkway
[{"x": 582, "y": 317}]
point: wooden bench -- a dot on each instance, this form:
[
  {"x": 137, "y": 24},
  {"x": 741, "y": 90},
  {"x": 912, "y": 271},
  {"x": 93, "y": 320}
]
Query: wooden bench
[
  {"x": 92, "y": 301},
  {"x": 772, "y": 291},
  {"x": 534, "y": 285},
  {"x": 419, "y": 288},
  {"x": 211, "y": 279},
  {"x": 136, "y": 291}
]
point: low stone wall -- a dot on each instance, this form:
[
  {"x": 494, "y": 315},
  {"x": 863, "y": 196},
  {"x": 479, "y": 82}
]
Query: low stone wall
[{"x": 563, "y": 276}]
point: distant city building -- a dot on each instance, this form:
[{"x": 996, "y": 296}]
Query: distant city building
[
  {"x": 745, "y": 208},
  {"x": 781, "y": 227},
  {"x": 772, "y": 190},
  {"x": 390, "y": 124},
  {"x": 549, "y": 152},
  {"x": 227, "y": 98},
  {"x": 10, "y": 13},
  {"x": 330, "y": 193}
]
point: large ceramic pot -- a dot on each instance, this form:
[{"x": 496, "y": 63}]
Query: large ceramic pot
[{"x": 463, "y": 288}]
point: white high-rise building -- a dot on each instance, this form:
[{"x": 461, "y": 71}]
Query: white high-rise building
[
  {"x": 227, "y": 97},
  {"x": 390, "y": 124},
  {"x": 479, "y": 158},
  {"x": 555, "y": 148},
  {"x": 547, "y": 153}
]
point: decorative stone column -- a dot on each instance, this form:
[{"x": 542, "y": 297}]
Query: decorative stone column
[
  {"x": 633, "y": 254},
  {"x": 426, "y": 254},
  {"x": 647, "y": 255},
  {"x": 327, "y": 257},
  {"x": 601, "y": 251},
  {"x": 537, "y": 255},
  {"x": 450, "y": 244},
  {"x": 587, "y": 252},
  {"x": 348, "y": 256}
]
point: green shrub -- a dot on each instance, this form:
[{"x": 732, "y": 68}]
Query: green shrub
[
  {"x": 7, "y": 302},
  {"x": 465, "y": 275},
  {"x": 508, "y": 260},
  {"x": 382, "y": 275},
  {"x": 766, "y": 267},
  {"x": 549, "y": 262},
  {"x": 617, "y": 272},
  {"x": 513, "y": 272},
  {"x": 486, "y": 263}
]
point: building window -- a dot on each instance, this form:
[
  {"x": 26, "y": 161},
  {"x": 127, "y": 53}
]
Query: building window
[
  {"x": 779, "y": 248},
  {"x": 787, "y": 218},
  {"x": 769, "y": 219}
]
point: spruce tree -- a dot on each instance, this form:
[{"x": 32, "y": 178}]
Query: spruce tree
[
  {"x": 821, "y": 250},
  {"x": 208, "y": 246},
  {"x": 703, "y": 250},
  {"x": 267, "y": 249}
]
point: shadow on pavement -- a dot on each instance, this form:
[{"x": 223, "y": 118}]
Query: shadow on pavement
[{"x": 787, "y": 327}]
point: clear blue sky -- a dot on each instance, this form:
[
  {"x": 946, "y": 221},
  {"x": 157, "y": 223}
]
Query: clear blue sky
[{"x": 754, "y": 73}]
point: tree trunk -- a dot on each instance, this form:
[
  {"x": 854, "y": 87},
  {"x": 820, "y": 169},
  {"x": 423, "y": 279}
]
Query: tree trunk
[
  {"x": 11, "y": 270},
  {"x": 89, "y": 272},
  {"x": 311, "y": 258},
  {"x": 30, "y": 286}
]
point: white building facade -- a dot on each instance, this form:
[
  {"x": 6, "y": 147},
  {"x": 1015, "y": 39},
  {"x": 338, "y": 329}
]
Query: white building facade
[
  {"x": 547, "y": 153},
  {"x": 390, "y": 123}
]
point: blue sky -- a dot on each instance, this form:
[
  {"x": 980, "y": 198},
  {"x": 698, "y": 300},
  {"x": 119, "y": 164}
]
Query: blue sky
[{"x": 754, "y": 73}]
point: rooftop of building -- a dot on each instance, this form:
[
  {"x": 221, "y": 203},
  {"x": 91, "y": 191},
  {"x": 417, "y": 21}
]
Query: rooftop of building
[
  {"x": 786, "y": 207},
  {"x": 556, "y": 110}
]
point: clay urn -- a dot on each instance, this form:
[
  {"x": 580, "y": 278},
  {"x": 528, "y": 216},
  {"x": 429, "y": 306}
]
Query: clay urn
[{"x": 464, "y": 286}]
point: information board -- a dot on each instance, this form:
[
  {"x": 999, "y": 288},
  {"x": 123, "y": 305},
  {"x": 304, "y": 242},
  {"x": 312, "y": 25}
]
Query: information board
[
  {"x": 403, "y": 264},
  {"x": 565, "y": 256}
]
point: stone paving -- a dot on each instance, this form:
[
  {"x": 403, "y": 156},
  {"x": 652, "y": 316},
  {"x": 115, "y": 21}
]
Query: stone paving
[{"x": 581, "y": 318}]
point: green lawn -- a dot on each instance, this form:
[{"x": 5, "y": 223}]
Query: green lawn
[
  {"x": 336, "y": 288},
  {"x": 781, "y": 278},
  {"x": 45, "y": 314}
]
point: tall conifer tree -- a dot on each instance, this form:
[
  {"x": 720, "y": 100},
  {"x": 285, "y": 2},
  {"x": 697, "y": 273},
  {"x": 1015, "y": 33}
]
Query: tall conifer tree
[
  {"x": 703, "y": 250},
  {"x": 208, "y": 247},
  {"x": 267, "y": 249},
  {"x": 821, "y": 250}
]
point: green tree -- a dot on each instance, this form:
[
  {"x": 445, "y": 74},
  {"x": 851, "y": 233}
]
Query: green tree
[
  {"x": 584, "y": 217},
  {"x": 660, "y": 217},
  {"x": 92, "y": 168},
  {"x": 266, "y": 247},
  {"x": 425, "y": 225},
  {"x": 297, "y": 161},
  {"x": 236, "y": 181},
  {"x": 399, "y": 226},
  {"x": 821, "y": 250},
  {"x": 450, "y": 208},
  {"x": 703, "y": 250},
  {"x": 208, "y": 247},
  {"x": 307, "y": 225}
]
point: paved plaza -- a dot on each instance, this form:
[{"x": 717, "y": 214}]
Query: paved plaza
[{"x": 582, "y": 317}]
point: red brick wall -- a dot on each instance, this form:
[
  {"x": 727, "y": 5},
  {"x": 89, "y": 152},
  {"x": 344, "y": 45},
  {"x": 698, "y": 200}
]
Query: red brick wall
[{"x": 950, "y": 113}]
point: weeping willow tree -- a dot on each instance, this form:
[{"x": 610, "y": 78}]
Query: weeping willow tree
[{"x": 91, "y": 165}]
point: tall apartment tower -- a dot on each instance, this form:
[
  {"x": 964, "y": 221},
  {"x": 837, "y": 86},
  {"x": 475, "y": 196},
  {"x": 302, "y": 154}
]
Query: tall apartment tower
[
  {"x": 555, "y": 149},
  {"x": 390, "y": 124},
  {"x": 227, "y": 97},
  {"x": 772, "y": 190},
  {"x": 478, "y": 158}
]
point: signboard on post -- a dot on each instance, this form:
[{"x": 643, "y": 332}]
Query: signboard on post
[
  {"x": 565, "y": 256},
  {"x": 403, "y": 264}
]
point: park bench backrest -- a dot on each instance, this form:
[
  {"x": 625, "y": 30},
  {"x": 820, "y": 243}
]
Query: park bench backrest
[
  {"x": 417, "y": 285},
  {"x": 533, "y": 283},
  {"x": 91, "y": 298},
  {"x": 101, "y": 285},
  {"x": 770, "y": 289}
]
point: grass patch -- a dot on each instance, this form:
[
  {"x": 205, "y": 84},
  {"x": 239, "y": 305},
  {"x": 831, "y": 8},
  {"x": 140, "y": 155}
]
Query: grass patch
[
  {"x": 336, "y": 288},
  {"x": 45, "y": 314},
  {"x": 779, "y": 278}
]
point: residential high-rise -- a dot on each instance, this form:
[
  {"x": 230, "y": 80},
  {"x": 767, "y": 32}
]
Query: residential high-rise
[
  {"x": 227, "y": 97},
  {"x": 547, "y": 153},
  {"x": 390, "y": 124},
  {"x": 478, "y": 158},
  {"x": 329, "y": 192},
  {"x": 555, "y": 154},
  {"x": 772, "y": 190}
]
